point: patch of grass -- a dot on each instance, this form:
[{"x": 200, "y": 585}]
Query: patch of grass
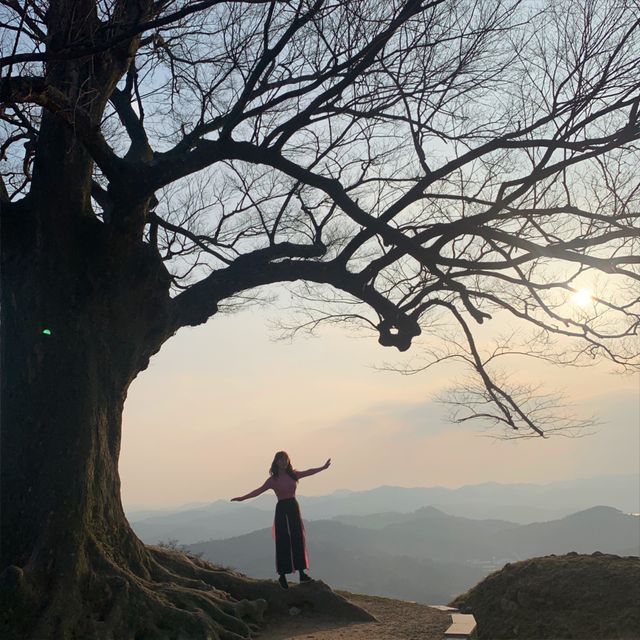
[{"x": 570, "y": 596}]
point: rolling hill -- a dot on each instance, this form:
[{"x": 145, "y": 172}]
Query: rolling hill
[{"x": 427, "y": 556}]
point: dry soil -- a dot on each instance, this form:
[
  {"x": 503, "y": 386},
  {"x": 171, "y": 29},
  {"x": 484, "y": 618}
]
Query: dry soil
[{"x": 397, "y": 620}]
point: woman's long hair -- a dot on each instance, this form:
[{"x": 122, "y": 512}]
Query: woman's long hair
[{"x": 274, "y": 470}]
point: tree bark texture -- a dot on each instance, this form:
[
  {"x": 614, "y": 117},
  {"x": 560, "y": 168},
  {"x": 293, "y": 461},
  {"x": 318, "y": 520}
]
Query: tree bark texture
[{"x": 80, "y": 318}]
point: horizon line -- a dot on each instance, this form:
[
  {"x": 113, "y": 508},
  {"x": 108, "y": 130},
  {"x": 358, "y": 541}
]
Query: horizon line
[{"x": 195, "y": 503}]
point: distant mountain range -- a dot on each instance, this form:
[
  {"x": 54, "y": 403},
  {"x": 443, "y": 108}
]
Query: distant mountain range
[
  {"x": 427, "y": 556},
  {"x": 423, "y": 544},
  {"x": 346, "y": 557},
  {"x": 516, "y": 503}
]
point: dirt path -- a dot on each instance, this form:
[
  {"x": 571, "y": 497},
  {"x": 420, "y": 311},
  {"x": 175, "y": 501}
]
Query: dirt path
[{"x": 397, "y": 620}]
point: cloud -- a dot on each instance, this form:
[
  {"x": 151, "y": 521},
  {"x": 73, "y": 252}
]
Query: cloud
[{"x": 406, "y": 420}]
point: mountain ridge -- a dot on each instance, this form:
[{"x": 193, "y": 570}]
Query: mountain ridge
[
  {"x": 518, "y": 503},
  {"x": 430, "y": 559}
]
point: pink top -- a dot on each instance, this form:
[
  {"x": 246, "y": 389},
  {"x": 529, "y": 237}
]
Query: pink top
[{"x": 283, "y": 485}]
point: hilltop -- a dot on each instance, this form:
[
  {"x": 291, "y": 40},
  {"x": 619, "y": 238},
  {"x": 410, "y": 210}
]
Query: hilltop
[
  {"x": 568, "y": 597},
  {"x": 395, "y": 620},
  {"x": 315, "y": 610},
  {"x": 588, "y": 597},
  {"x": 573, "y": 596}
]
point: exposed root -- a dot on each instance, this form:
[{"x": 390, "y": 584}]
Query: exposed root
[
  {"x": 163, "y": 595},
  {"x": 314, "y": 595}
]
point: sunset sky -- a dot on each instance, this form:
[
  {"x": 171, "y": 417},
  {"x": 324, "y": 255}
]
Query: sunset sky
[{"x": 204, "y": 420}]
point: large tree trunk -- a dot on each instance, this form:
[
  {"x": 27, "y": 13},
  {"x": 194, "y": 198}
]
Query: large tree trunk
[
  {"x": 83, "y": 306},
  {"x": 66, "y": 367},
  {"x": 82, "y": 313}
]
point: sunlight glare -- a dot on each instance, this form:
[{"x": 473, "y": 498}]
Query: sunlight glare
[{"x": 582, "y": 297}]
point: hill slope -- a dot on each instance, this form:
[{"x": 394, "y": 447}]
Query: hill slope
[
  {"x": 349, "y": 558},
  {"x": 427, "y": 556},
  {"x": 556, "y": 597},
  {"x": 596, "y": 529}
]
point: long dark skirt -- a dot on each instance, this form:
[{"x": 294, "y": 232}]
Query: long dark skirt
[{"x": 291, "y": 549}]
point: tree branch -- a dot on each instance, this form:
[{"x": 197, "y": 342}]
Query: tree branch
[
  {"x": 197, "y": 304},
  {"x": 102, "y": 41},
  {"x": 36, "y": 91}
]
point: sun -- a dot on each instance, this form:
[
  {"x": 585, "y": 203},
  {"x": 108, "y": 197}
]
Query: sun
[{"x": 582, "y": 297}]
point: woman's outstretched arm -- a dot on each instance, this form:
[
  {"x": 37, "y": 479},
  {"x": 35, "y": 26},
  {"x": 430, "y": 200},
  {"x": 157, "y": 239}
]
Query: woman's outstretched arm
[
  {"x": 255, "y": 492},
  {"x": 310, "y": 472}
]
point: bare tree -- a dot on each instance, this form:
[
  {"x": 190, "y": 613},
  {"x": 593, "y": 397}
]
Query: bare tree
[{"x": 416, "y": 164}]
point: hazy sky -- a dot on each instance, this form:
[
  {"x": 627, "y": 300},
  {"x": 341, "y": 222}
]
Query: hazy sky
[{"x": 204, "y": 420}]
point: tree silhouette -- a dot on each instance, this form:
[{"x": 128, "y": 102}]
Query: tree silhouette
[{"x": 416, "y": 164}]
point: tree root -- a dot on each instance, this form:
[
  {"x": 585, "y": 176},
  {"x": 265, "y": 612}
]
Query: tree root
[
  {"x": 315, "y": 595},
  {"x": 161, "y": 595}
]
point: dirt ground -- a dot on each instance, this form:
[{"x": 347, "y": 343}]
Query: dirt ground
[{"x": 397, "y": 620}]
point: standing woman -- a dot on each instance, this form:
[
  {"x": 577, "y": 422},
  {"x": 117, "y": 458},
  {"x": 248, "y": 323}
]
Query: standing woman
[{"x": 291, "y": 550}]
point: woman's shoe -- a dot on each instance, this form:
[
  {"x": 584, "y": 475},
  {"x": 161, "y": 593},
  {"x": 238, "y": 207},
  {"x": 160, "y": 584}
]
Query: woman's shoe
[
  {"x": 282, "y": 581},
  {"x": 305, "y": 578}
]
